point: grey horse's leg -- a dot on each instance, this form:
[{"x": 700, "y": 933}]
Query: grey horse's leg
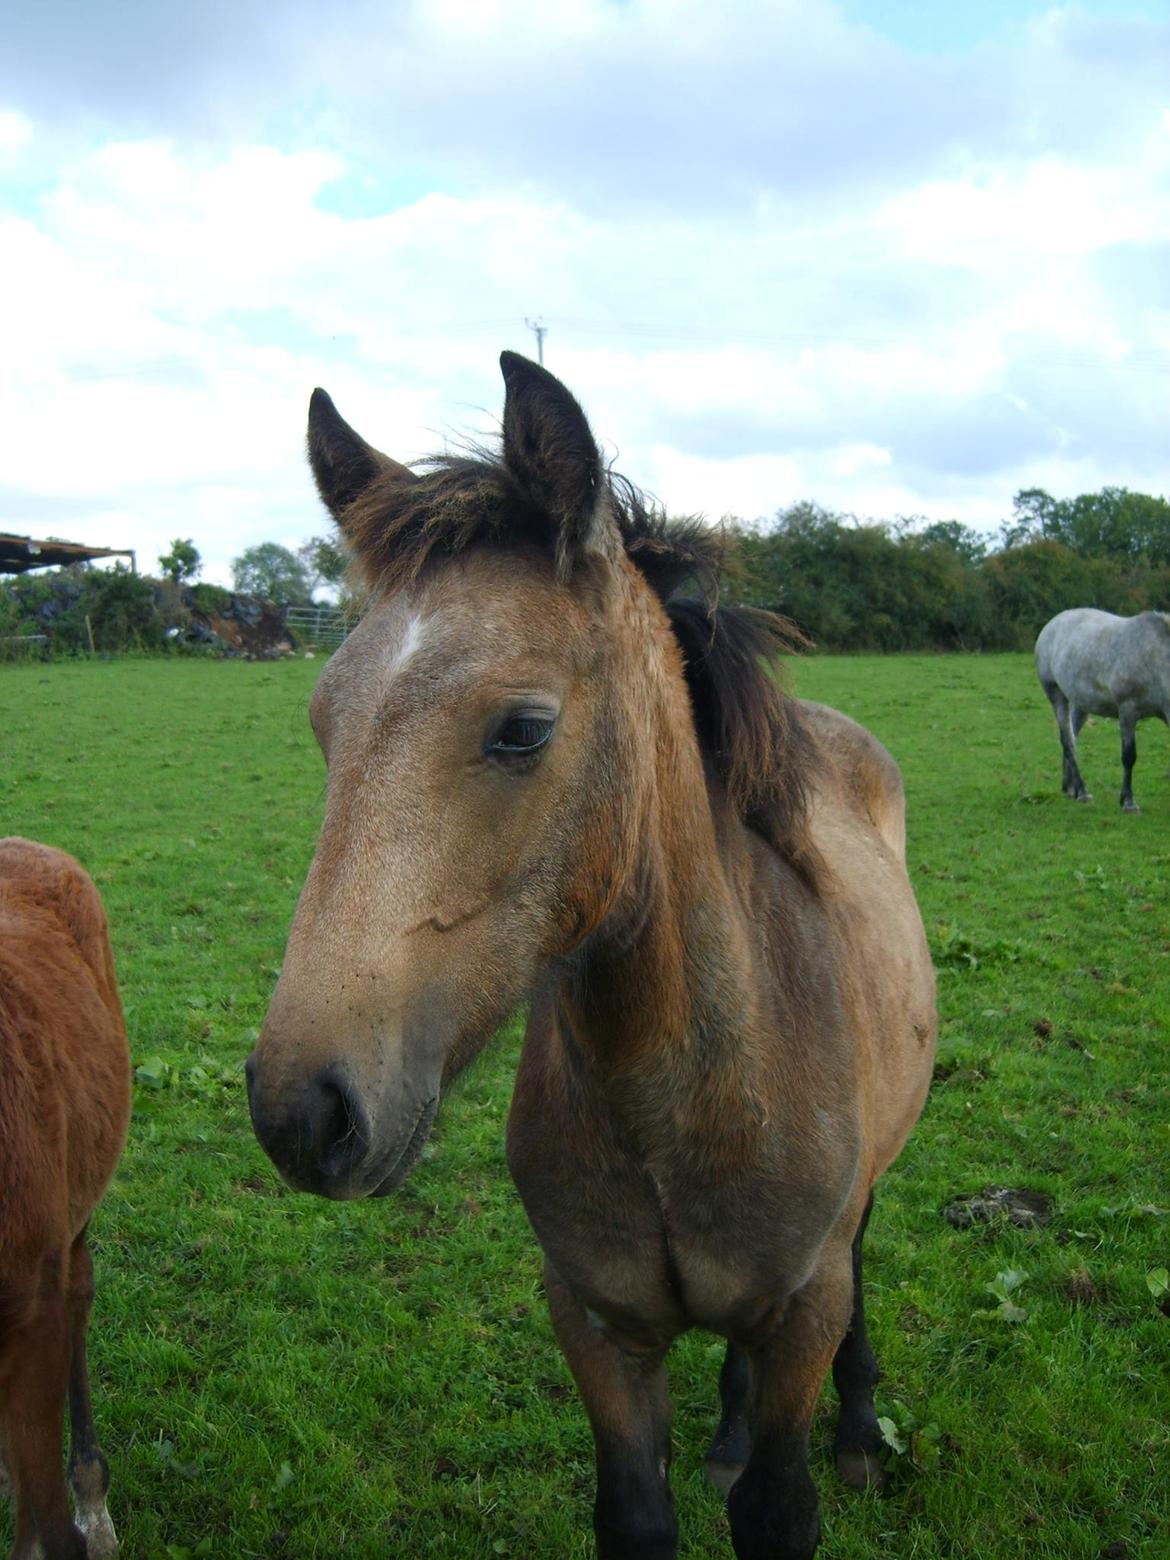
[
  {"x": 1071, "y": 782},
  {"x": 1077, "y": 718},
  {"x": 1128, "y": 718}
]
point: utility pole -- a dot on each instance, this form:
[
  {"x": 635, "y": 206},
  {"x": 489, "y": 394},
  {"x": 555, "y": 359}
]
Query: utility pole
[{"x": 539, "y": 331}]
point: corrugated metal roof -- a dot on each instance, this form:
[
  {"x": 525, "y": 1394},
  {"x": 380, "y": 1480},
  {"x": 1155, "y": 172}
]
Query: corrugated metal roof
[{"x": 20, "y": 553}]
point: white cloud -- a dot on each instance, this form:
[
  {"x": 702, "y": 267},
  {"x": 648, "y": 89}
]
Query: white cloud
[
  {"x": 15, "y": 132},
  {"x": 860, "y": 457},
  {"x": 1046, "y": 208},
  {"x": 688, "y": 484},
  {"x": 818, "y": 267}
]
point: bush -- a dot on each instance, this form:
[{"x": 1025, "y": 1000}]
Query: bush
[
  {"x": 122, "y": 610},
  {"x": 209, "y": 598}
]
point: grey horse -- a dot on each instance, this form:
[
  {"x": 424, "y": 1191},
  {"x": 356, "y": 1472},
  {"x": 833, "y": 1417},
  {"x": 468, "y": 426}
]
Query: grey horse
[{"x": 1093, "y": 663}]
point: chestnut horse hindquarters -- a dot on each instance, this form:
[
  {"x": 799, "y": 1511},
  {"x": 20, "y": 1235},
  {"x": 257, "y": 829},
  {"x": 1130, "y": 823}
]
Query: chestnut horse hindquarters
[{"x": 64, "y": 1108}]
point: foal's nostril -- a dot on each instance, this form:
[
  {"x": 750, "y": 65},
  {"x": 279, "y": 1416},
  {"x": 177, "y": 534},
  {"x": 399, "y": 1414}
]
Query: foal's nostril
[
  {"x": 319, "y": 1137},
  {"x": 339, "y": 1126}
]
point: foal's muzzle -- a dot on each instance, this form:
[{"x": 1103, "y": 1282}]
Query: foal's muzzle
[{"x": 321, "y": 1141}]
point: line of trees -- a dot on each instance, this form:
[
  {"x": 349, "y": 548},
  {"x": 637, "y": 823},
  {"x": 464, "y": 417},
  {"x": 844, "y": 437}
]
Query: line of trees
[
  {"x": 268, "y": 570},
  {"x": 848, "y": 584},
  {"x": 902, "y": 585}
]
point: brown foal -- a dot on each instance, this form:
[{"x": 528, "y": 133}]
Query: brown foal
[{"x": 553, "y": 777}]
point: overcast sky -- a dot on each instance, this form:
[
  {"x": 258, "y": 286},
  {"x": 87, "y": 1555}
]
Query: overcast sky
[{"x": 900, "y": 259}]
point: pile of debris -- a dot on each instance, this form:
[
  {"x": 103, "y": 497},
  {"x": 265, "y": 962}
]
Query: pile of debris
[{"x": 245, "y": 626}]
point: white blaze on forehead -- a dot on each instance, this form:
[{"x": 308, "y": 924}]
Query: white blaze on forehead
[{"x": 413, "y": 635}]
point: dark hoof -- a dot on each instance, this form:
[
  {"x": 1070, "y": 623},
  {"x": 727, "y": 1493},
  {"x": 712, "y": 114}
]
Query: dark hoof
[
  {"x": 772, "y": 1520},
  {"x": 861, "y": 1470},
  {"x": 722, "y": 1475}
]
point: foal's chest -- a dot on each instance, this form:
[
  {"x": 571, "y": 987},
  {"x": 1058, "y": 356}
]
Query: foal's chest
[{"x": 652, "y": 1256}]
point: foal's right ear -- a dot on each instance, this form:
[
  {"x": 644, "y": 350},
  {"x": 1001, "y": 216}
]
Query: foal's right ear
[{"x": 343, "y": 463}]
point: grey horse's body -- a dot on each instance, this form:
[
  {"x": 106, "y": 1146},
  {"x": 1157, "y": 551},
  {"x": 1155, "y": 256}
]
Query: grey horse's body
[{"x": 1093, "y": 663}]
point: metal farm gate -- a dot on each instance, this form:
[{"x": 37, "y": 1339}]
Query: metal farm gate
[{"x": 324, "y": 626}]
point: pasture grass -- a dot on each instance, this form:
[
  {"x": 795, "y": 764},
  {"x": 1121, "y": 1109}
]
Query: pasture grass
[{"x": 280, "y": 1377}]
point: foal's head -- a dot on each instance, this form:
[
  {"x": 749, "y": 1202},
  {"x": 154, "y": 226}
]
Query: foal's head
[
  {"x": 485, "y": 729},
  {"x": 497, "y": 730}
]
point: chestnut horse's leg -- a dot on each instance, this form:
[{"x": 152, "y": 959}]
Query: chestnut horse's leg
[
  {"x": 626, "y": 1398},
  {"x": 732, "y": 1443},
  {"x": 34, "y": 1366},
  {"x": 89, "y": 1474},
  {"x": 855, "y": 1374},
  {"x": 772, "y": 1506}
]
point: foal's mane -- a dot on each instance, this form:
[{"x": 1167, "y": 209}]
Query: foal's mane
[{"x": 746, "y": 724}]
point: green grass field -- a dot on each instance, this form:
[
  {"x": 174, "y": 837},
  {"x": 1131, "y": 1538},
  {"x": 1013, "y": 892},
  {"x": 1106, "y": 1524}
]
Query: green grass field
[{"x": 281, "y": 1377}]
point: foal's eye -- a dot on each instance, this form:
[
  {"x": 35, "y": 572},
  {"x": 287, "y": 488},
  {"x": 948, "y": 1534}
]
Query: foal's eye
[{"x": 521, "y": 736}]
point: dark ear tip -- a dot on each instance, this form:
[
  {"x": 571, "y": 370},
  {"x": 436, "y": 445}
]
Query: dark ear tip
[
  {"x": 321, "y": 405},
  {"x": 514, "y": 366}
]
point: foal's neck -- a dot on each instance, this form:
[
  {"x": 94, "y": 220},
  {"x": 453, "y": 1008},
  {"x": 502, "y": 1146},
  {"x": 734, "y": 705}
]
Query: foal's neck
[{"x": 668, "y": 975}]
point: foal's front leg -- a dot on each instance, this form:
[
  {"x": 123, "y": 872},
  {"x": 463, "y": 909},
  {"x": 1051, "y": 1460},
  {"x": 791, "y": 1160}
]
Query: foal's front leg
[
  {"x": 625, "y": 1395},
  {"x": 773, "y": 1506}
]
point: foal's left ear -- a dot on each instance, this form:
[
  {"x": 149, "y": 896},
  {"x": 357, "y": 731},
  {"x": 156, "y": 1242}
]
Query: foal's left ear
[{"x": 551, "y": 452}]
